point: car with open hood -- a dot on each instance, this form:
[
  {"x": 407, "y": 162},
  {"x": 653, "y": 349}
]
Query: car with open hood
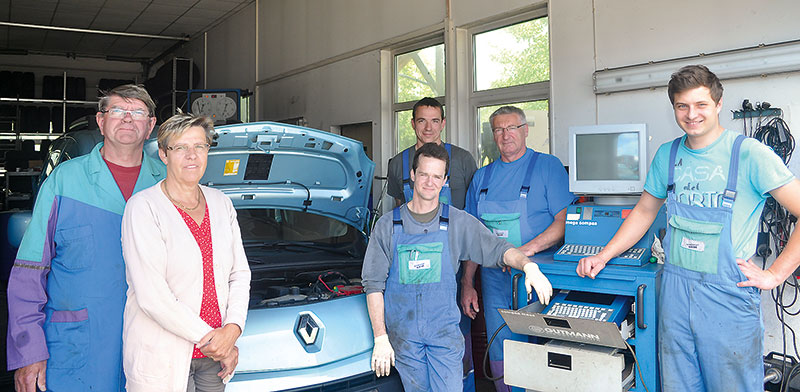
[{"x": 301, "y": 198}]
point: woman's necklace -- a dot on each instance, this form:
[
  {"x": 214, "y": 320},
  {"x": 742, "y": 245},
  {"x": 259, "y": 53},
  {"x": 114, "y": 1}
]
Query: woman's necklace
[{"x": 179, "y": 204}]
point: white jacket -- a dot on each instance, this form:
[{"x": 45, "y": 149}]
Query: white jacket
[{"x": 165, "y": 286}]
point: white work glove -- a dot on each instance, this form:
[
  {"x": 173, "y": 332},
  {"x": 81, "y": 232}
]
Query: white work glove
[
  {"x": 382, "y": 356},
  {"x": 535, "y": 280}
]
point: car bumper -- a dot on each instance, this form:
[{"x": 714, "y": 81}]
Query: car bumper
[{"x": 351, "y": 374}]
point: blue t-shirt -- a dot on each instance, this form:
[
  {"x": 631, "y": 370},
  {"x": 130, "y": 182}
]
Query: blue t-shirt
[
  {"x": 701, "y": 176},
  {"x": 549, "y": 193}
]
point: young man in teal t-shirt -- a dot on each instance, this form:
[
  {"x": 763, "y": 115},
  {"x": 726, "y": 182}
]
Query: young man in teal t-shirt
[{"x": 715, "y": 182}]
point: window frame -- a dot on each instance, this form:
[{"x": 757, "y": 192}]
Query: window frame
[
  {"x": 408, "y": 105},
  {"x": 536, "y": 91}
]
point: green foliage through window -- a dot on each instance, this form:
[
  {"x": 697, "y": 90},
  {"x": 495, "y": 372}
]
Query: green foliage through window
[{"x": 512, "y": 55}]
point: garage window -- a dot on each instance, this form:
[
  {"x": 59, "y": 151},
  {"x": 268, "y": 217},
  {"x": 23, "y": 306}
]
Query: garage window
[
  {"x": 511, "y": 66},
  {"x": 418, "y": 72}
]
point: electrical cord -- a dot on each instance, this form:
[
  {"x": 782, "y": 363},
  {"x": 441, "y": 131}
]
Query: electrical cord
[
  {"x": 778, "y": 223},
  {"x": 486, "y": 355},
  {"x": 639, "y": 368}
]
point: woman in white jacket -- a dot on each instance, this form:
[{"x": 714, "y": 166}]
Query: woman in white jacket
[{"x": 188, "y": 278}]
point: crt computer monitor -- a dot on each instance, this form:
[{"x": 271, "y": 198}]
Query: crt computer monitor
[{"x": 607, "y": 159}]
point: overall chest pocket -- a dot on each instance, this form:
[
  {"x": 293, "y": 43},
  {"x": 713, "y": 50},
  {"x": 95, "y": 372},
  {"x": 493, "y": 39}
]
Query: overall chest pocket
[
  {"x": 694, "y": 244},
  {"x": 420, "y": 263},
  {"x": 505, "y": 226},
  {"x": 75, "y": 247}
]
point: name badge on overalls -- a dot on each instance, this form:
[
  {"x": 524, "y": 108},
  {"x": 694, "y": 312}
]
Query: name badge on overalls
[
  {"x": 500, "y": 233},
  {"x": 698, "y": 246},
  {"x": 415, "y": 264}
]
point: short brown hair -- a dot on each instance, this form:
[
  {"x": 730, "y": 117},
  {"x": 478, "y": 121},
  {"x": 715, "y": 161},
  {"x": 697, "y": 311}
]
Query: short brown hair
[
  {"x": 693, "y": 76},
  {"x": 127, "y": 92},
  {"x": 427, "y": 101},
  {"x": 432, "y": 150},
  {"x": 178, "y": 124}
]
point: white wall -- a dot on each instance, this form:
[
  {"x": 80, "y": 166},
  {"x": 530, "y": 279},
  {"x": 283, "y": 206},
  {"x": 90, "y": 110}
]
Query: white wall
[
  {"x": 226, "y": 55},
  {"x": 621, "y": 33}
]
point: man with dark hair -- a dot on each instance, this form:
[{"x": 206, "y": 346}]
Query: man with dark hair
[
  {"x": 522, "y": 197},
  {"x": 67, "y": 287},
  {"x": 409, "y": 275},
  {"x": 428, "y": 121},
  {"x": 715, "y": 182}
]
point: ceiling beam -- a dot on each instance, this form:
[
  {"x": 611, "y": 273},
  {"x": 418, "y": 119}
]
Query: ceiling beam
[{"x": 91, "y": 31}]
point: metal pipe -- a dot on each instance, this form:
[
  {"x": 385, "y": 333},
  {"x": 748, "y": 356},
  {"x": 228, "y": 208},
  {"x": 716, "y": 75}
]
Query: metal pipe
[
  {"x": 772, "y": 376},
  {"x": 91, "y": 31}
]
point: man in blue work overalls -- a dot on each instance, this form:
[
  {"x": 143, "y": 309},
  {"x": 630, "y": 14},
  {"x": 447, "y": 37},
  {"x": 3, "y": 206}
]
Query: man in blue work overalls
[
  {"x": 409, "y": 275},
  {"x": 67, "y": 287},
  {"x": 715, "y": 182},
  {"x": 428, "y": 122},
  {"x": 522, "y": 197}
]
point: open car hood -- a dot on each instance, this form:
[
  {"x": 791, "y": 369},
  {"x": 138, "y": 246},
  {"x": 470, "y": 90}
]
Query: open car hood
[{"x": 276, "y": 165}]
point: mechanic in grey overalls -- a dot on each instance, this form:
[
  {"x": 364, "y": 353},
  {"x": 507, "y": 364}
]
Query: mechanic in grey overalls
[{"x": 409, "y": 277}]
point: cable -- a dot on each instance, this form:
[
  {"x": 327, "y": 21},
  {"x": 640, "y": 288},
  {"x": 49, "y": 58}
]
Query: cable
[
  {"x": 638, "y": 368},
  {"x": 778, "y": 223},
  {"x": 486, "y": 355}
]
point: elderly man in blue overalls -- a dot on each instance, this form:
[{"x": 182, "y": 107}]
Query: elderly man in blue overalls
[
  {"x": 522, "y": 197},
  {"x": 409, "y": 275},
  {"x": 715, "y": 182}
]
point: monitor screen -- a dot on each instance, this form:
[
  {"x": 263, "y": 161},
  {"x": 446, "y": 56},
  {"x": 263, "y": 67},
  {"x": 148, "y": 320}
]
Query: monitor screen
[{"x": 608, "y": 159}]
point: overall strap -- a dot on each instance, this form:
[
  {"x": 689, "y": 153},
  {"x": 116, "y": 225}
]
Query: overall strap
[
  {"x": 449, "y": 148},
  {"x": 397, "y": 221},
  {"x": 671, "y": 168},
  {"x": 485, "y": 183},
  {"x": 444, "y": 217},
  {"x": 406, "y": 178},
  {"x": 526, "y": 183},
  {"x": 729, "y": 195}
]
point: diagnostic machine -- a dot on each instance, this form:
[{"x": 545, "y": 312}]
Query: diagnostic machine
[{"x": 587, "y": 334}]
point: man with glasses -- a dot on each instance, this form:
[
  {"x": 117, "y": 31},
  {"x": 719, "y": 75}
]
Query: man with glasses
[
  {"x": 521, "y": 197},
  {"x": 67, "y": 287}
]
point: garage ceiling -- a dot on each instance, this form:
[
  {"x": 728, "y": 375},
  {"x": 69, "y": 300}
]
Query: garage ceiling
[{"x": 169, "y": 18}]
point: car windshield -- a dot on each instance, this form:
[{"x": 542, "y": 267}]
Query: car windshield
[{"x": 275, "y": 226}]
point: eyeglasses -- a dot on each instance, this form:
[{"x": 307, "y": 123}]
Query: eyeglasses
[
  {"x": 136, "y": 114},
  {"x": 508, "y": 128},
  {"x": 183, "y": 149}
]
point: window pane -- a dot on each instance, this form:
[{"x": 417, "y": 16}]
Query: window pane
[
  {"x": 513, "y": 55},
  {"x": 538, "y": 129},
  {"x": 419, "y": 74},
  {"x": 405, "y": 133}
]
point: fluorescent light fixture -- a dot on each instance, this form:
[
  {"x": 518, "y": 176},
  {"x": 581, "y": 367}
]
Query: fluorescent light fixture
[{"x": 740, "y": 63}]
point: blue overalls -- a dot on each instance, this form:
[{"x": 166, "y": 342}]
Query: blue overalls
[
  {"x": 465, "y": 323},
  {"x": 69, "y": 276},
  {"x": 710, "y": 333},
  {"x": 508, "y": 220},
  {"x": 408, "y": 190},
  {"x": 420, "y": 309}
]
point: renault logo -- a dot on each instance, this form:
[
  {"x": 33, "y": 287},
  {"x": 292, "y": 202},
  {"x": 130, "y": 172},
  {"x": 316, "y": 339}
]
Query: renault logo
[{"x": 307, "y": 329}]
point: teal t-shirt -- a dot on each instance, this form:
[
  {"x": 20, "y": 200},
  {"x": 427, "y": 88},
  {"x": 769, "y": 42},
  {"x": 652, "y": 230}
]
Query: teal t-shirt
[{"x": 701, "y": 176}]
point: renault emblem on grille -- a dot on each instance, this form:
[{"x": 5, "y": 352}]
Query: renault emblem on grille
[{"x": 307, "y": 329}]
